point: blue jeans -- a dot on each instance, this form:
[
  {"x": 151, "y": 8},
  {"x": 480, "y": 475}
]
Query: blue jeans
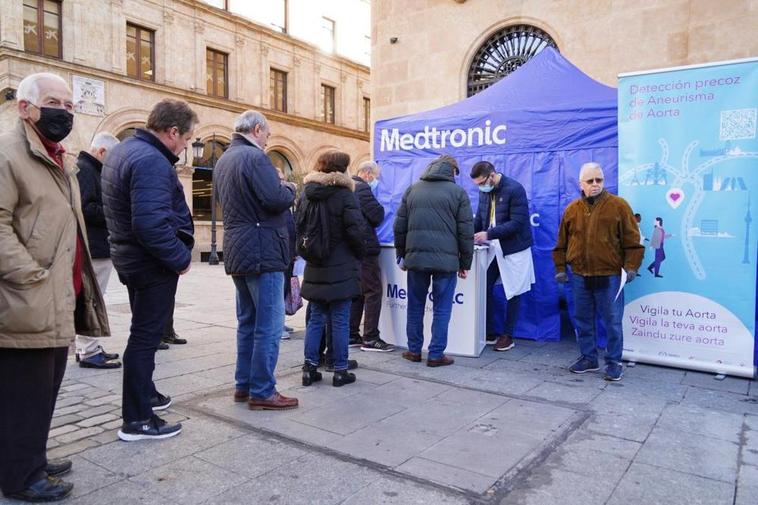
[
  {"x": 443, "y": 291},
  {"x": 260, "y": 319},
  {"x": 338, "y": 313},
  {"x": 588, "y": 303}
]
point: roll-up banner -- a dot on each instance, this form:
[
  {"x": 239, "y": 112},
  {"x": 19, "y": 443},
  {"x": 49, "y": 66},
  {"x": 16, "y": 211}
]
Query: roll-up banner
[{"x": 688, "y": 164}]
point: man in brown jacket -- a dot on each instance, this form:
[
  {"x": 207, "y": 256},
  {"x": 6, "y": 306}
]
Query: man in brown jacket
[
  {"x": 48, "y": 291},
  {"x": 598, "y": 237}
]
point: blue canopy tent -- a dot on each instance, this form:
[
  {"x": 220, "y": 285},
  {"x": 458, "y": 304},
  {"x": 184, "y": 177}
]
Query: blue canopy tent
[{"x": 538, "y": 125}]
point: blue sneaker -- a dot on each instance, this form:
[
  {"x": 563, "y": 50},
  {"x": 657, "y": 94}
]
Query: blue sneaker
[
  {"x": 614, "y": 372},
  {"x": 583, "y": 365}
]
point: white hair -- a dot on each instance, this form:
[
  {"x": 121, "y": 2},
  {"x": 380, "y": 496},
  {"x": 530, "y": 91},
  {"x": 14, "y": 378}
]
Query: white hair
[
  {"x": 29, "y": 87},
  {"x": 368, "y": 167},
  {"x": 248, "y": 120},
  {"x": 104, "y": 140},
  {"x": 590, "y": 166}
]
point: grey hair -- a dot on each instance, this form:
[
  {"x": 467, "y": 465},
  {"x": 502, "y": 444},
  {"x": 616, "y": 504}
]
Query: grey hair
[
  {"x": 104, "y": 140},
  {"x": 590, "y": 166},
  {"x": 248, "y": 120},
  {"x": 368, "y": 167},
  {"x": 28, "y": 88}
]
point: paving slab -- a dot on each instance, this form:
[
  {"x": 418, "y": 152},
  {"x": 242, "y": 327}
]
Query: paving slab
[
  {"x": 387, "y": 491},
  {"x": 310, "y": 480},
  {"x": 447, "y": 475},
  {"x": 350, "y": 414},
  {"x": 684, "y": 452},
  {"x": 251, "y": 455},
  {"x": 189, "y": 480},
  {"x": 123, "y": 492},
  {"x": 652, "y": 484},
  {"x": 555, "y": 487},
  {"x": 386, "y": 444},
  {"x": 702, "y": 421}
]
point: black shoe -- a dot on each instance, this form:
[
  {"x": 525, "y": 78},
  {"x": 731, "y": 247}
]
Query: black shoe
[
  {"x": 162, "y": 346},
  {"x": 377, "y": 345},
  {"x": 351, "y": 365},
  {"x": 108, "y": 355},
  {"x": 342, "y": 377},
  {"x": 153, "y": 428},
  {"x": 174, "y": 339},
  {"x": 47, "y": 489},
  {"x": 58, "y": 467},
  {"x": 98, "y": 361},
  {"x": 160, "y": 402},
  {"x": 310, "y": 374},
  {"x": 355, "y": 341}
]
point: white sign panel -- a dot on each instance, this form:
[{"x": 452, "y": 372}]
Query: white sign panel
[
  {"x": 89, "y": 96},
  {"x": 467, "y": 330}
]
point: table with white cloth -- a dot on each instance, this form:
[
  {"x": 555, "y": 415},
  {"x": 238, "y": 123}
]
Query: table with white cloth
[{"x": 468, "y": 324}]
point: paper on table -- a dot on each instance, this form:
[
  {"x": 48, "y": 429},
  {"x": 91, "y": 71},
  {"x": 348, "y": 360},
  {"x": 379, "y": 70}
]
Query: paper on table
[{"x": 621, "y": 285}]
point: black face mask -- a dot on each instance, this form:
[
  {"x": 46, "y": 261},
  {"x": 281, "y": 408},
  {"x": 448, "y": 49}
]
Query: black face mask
[{"x": 55, "y": 124}]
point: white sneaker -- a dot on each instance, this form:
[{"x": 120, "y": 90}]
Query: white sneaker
[{"x": 285, "y": 335}]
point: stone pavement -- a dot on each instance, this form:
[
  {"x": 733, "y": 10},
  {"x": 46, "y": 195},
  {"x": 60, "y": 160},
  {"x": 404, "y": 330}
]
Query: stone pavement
[{"x": 508, "y": 428}]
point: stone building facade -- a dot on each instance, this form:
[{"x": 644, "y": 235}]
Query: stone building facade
[
  {"x": 122, "y": 56},
  {"x": 422, "y": 50}
]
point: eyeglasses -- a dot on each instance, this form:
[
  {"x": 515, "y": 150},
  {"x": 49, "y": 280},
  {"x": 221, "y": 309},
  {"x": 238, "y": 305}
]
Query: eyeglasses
[{"x": 596, "y": 180}]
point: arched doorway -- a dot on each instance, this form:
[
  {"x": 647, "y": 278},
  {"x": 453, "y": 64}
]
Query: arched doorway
[
  {"x": 280, "y": 161},
  {"x": 202, "y": 180},
  {"x": 502, "y": 53}
]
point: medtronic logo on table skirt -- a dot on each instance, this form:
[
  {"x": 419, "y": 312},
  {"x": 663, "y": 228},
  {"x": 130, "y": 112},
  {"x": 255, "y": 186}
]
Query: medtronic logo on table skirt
[
  {"x": 396, "y": 292},
  {"x": 432, "y": 138}
]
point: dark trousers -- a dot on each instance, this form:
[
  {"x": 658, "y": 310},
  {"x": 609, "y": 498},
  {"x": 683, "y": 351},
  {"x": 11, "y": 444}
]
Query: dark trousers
[
  {"x": 29, "y": 383},
  {"x": 496, "y": 324},
  {"x": 371, "y": 299},
  {"x": 151, "y": 297},
  {"x": 169, "y": 332}
]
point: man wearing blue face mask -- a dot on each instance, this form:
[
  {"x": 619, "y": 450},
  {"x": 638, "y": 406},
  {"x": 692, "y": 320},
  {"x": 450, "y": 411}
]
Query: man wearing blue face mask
[
  {"x": 503, "y": 218},
  {"x": 366, "y": 181}
]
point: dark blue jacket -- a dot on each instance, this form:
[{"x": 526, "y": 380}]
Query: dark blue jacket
[
  {"x": 147, "y": 216},
  {"x": 255, "y": 205},
  {"x": 92, "y": 204},
  {"x": 511, "y": 215},
  {"x": 373, "y": 215}
]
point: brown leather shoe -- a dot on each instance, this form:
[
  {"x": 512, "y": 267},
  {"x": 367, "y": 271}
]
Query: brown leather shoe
[
  {"x": 412, "y": 356},
  {"x": 504, "y": 343},
  {"x": 241, "y": 396},
  {"x": 275, "y": 402},
  {"x": 443, "y": 361}
]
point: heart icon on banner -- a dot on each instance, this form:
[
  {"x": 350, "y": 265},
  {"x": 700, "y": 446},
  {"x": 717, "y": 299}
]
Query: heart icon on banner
[{"x": 675, "y": 197}]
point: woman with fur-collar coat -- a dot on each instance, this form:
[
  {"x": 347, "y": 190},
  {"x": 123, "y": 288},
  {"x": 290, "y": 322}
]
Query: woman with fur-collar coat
[{"x": 330, "y": 285}]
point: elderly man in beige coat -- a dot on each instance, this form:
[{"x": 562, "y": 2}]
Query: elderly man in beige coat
[{"x": 48, "y": 289}]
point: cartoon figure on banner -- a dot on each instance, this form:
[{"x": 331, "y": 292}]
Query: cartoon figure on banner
[{"x": 659, "y": 236}]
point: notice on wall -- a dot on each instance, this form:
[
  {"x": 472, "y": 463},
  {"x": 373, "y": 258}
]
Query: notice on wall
[
  {"x": 89, "y": 95},
  {"x": 687, "y": 165}
]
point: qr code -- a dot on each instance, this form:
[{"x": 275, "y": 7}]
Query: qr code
[{"x": 737, "y": 124}]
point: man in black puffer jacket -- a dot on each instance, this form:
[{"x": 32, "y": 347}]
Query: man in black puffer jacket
[
  {"x": 366, "y": 179},
  {"x": 331, "y": 283},
  {"x": 256, "y": 254},
  {"x": 89, "y": 352},
  {"x": 434, "y": 239}
]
